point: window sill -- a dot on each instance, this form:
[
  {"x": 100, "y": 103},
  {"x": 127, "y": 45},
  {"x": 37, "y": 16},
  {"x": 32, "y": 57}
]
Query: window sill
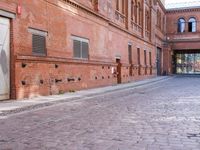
[
  {"x": 77, "y": 58},
  {"x": 39, "y": 55}
]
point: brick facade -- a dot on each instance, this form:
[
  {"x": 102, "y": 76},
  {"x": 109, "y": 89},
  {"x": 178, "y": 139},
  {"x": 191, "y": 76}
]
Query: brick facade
[
  {"x": 179, "y": 41},
  {"x": 110, "y": 29}
]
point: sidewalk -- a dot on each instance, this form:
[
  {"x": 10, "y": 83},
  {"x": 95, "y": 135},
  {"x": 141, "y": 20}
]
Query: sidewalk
[{"x": 13, "y": 106}]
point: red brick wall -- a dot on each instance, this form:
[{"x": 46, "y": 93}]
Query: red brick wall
[
  {"x": 36, "y": 75},
  {"x": 181, "y": 41}
]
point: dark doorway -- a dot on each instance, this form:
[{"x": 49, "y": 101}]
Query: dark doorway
[
  {"x": 159, "y": 59},
  {"x": 138, "y": 61},
  {"x": 145, "y": 61},
  {"x": 119, "y": 78},
  {"x": 130, "y": 59},
  {"x": 150, "y": 63}
]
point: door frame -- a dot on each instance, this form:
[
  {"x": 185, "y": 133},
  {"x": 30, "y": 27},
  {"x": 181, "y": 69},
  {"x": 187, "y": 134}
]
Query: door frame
[
  {"x": 9, "y": 51},
  {"x": 11, "y": 16}
]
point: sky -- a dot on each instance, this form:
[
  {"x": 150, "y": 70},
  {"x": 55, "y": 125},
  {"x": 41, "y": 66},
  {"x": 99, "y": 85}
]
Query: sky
[{"x": 182, "y": 3}]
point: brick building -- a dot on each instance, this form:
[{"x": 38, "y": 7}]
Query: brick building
[
  {"x": 54, "y": 46},
  {"x": 183, "y": 41}
]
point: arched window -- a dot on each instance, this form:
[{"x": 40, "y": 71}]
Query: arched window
[
  {"x": 181, "y": 25},
  {"x": 192, "y": 25}
]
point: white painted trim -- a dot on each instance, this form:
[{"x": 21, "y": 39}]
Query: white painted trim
[
  {"x": 37, "y": 32},
  {"x": 7, "y": 14},
  {"x": 117, "y": 56},
  {"x": 130, "y": 43},
  {"x": 80, "y": 39}
]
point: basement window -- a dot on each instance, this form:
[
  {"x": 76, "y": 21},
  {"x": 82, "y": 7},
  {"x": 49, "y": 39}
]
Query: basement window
[{"x": 80, "y": 47}]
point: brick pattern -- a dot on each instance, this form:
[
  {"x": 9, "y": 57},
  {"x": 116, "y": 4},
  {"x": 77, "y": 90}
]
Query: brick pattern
[
  {"x": 62, "y": 19},
  {"x": 158, "y": 116}
]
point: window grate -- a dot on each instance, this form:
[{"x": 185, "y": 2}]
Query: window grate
[
  {"x": 80, "y": 49},
  {"x": 38, "y": 44}
]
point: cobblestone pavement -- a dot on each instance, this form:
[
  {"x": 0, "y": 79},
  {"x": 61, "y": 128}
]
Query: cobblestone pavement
[{"x": 160, "y": 116}]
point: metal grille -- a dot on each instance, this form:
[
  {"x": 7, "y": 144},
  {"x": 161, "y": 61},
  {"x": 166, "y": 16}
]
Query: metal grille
[{"x": 38, "y": 44}]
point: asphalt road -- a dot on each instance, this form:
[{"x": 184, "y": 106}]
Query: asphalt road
[{"x": 158, "y": 116}]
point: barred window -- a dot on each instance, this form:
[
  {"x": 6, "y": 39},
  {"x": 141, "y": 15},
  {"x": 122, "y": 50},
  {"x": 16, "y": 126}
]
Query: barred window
[{"x": 80, "y": 48}]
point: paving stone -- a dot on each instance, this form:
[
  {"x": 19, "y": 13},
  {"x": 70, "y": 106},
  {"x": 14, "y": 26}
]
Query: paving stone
[{"x": 157, "y": 116}]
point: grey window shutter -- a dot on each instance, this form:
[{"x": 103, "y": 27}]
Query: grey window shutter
[
  {"x": 38, "y": 44},
  {"x": 77, "y": 48},
  {"x": 85, "y": 48}
]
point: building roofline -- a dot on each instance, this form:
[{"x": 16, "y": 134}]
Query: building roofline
[{"x": 181, "y": 9}]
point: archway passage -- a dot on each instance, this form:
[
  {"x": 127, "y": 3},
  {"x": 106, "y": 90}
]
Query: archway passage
[
  {"x": 187, "y": 62},
  {"x": 4, "y": 58}
]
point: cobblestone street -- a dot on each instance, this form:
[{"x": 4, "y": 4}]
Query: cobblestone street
[{"x": 157, "y": 116}]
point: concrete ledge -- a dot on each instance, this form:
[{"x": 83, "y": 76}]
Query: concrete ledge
[{"x": 7, "y": 14}]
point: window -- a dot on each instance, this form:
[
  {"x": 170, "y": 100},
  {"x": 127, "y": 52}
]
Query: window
[
  {"x": 138, "y": 60},
  {"x": 120, "y": 6},
  {"x": 80, "y": 47},
  {"x": 38, "y": 44},
  {"x": 145, "y": 57},
  {"x": 38, "y": 41},
  {"x": 130, "y": 59},
  {"x": 95, "y": 4},
  {"x": 147, "y": 20},
  {"x": 192, "y": 25},
  {"x": 117, "y": 5},
  {"x": 130, "y": 53},
  {"x": 181, "y": 25},
  {"x": 123, "y": 6},
  {"x": 132, "y": 10},
  {"x": 140, "y": 14},
  {"x": 150, "y": 61},
  {"x": 159, "y": 15},
  {"x": 135, "y": 11},
  {"x": 138, "y": 56}
]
